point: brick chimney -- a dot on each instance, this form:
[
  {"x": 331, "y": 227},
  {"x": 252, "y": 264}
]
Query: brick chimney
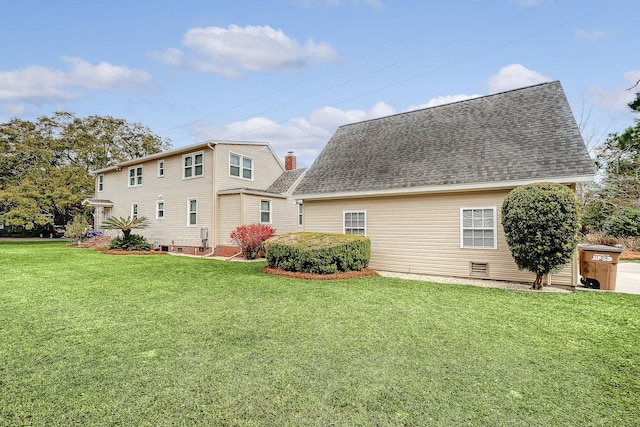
[{"x": 290, "y": 161}]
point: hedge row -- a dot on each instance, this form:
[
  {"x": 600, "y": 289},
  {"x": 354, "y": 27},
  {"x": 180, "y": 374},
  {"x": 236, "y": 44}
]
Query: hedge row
[{"x": 318, "y": 253}]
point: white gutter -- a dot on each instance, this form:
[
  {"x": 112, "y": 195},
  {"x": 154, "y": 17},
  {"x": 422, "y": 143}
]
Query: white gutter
[{"x": 500, "y": 185}]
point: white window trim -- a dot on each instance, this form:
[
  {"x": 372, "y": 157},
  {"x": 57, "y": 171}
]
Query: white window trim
[
  {"x": 189, "y": 212},
  {"x": 160, "y": 168},
  {"x": 193, "y": 165},
  {"x": 100, "y": 183},
  {"x": 164, "y": 209},
  {"x": 137, "y": 206},
  {"x": 241, "y": 166},
  {"x": 135, "y": 168},
  {"x": 270, "y": 211},
  {"x": 495, "y": 228},
  {"x": 301, "y": 215},
  {"x": 344, "y": 227}
]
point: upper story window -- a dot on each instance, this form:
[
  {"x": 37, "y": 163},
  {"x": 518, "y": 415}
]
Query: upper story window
[
  {"x": 160, "y": 168},
  {"x": 478, "y": 228},
  {"x": 100, "y": 182},
  {"x": 240, "y": 166},
  {"x": 135, "y": 176},
  {"x": 355, "y": 223},
  {"x": 193, "y": 165},
  {"x": 265, "y": 211}
]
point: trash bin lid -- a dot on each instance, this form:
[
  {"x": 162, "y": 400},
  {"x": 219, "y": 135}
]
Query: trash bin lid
[{"x": 600, "y": 248}]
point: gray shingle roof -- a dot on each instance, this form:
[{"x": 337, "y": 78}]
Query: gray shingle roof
[
  {"x": 284, "y": 182},
  {"x": 523, "y": 134}
]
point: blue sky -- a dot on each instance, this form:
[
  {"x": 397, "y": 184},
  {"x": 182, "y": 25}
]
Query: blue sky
[{"x": 291, "y": 71}]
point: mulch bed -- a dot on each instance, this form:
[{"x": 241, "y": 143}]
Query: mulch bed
[{"x": 310, "y": 276}]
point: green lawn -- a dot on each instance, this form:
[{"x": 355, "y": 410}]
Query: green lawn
[{"x": 93, "y": 339}]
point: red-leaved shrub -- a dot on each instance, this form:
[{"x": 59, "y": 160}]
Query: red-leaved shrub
[{"x": 250, "y": 238}]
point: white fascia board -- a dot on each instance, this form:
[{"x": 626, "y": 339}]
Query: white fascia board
[
  {"x": 175, "y": 151},
  {"x": 500, "y": 185}
]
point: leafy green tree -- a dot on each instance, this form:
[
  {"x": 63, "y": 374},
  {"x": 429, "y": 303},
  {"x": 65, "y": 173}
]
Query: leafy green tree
[
  {"x": 625, "y": 223},
  {"x": 541, "y": 222},
  {"x": 618, "y": 186},
  {"x": 45, "y": 165},
  {"x": 126, "y": 225}
]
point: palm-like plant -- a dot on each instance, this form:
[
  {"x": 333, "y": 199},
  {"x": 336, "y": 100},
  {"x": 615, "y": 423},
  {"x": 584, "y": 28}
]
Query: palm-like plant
[{"x": 125, "y": 224}]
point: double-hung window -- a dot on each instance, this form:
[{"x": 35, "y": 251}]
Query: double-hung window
[
  {"x": 160, "y": 209},
  {"x": 134, "y": 210},
  {"x": 192, "y": 212},
  {"x": 240, "y": 166},
  {"x": 299, "y": 214},
  {"x": 160, "y": 168},
  {"x": 355, "y": 223},
  {"x": 478, "y": 228},
  {"x": 193, "y": 165},
  {"x": 265, "y": 211},
  {"x": 100, "y": 183},
  {"x": 135, "y": 176}
]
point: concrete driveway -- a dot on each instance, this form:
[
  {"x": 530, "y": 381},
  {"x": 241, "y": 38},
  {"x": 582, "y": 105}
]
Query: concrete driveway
[{"x": 628, "y": 278}]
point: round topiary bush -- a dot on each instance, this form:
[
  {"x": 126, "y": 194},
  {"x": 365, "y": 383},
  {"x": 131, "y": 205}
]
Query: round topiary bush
[
  {"x": 318, "y": 253},
  {"x": 541, "y": 223}
]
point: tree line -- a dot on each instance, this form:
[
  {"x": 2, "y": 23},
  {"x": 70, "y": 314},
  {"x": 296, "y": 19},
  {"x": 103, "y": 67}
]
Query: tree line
[{"x": 46, "y": 164}]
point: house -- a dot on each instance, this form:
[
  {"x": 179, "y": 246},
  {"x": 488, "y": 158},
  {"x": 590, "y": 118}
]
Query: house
[
  {"x": 195, "y": 196},
  {"x": 427, "y": 186}
]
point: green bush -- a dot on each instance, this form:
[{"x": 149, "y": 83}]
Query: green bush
[
  {"x": 625, "y": 223},
  {"x": 541, "y": 223},
  {"x": 133, "y": 242},
  {"x": 318, "y": 253}
]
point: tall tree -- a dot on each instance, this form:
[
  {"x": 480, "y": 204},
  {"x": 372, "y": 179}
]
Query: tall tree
[
  {"x": 45, "y": 165},
  {"x": 618, "y": 185}
]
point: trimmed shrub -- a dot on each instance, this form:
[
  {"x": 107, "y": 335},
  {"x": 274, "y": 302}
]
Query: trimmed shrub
[
  {"x": 133, "y": 242},
  {"x": 318, "y": 253},
  {"x": 76, "y": 230},
  {"x": 625, "y": 223},
  {"x": 541, "y": 223},
  {"x": 250, "y": 238}
]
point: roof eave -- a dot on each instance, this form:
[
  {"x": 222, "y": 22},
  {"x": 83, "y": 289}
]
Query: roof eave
[
  {"x": 185, "y": 149},
  {"x": 478, "y": 186}
]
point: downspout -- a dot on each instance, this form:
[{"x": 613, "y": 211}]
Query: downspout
[{"x": 214, "y": 198}]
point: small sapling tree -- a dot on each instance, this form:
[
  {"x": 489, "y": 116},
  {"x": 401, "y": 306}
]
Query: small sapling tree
[{"x": 541, "y": 223}]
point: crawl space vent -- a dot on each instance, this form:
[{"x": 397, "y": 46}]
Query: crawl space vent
[{"x": 479, "y": 268}]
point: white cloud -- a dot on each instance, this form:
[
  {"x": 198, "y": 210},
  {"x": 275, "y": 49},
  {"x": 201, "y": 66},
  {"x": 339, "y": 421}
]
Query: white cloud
[
  {"x": 616, "y": 100},
  {"x": 228, "y": 51},
  {"x": 441, "y": 100},
  {"x": 172, "y": 57},
  {"x": 305, "y": 135},
  {"x": 582, "y": 35},
  {"x": 529, "y": 3},
  {"x": 514, "y": 76},
  {"x": 42, "y": 84}
]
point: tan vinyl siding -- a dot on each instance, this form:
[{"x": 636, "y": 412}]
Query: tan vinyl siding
[
  {"x": 421, "y": 234},
  {"x": 265, "y": 166},
  {"x": 229, "y": 217},
  {"x": 173, "y": 190}
]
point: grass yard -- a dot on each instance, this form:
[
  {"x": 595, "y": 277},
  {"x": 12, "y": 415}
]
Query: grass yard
[{"x": 92, "y": 339}]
